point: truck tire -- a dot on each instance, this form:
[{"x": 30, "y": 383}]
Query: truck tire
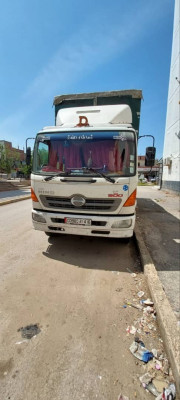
[{"x": 51, "y": 234}]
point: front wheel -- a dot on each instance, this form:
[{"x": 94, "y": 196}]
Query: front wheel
[{"x": 51, "y": 234}]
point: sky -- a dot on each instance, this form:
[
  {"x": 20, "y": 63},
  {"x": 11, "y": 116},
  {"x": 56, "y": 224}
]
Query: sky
[{"x": 50, "y": 48}]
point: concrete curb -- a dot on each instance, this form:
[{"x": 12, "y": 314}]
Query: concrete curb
[
  {"x": 14, "y": 200},
  {"x": 166, "y": 319}
]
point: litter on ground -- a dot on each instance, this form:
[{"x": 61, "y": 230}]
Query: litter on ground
[
  {"x": 22, "y": 341},
  {"x": 131, "y": 329},
  {"x": 138, "y": 306},
  {"x": 157, "y": 379},
  {"x": 121, "y": 397},
  {"x": 148, "y": 302},
  {"x": 140, "y": 294},
  {"x": 140, "y": 352},
  {"x": 29, "y": 331}
]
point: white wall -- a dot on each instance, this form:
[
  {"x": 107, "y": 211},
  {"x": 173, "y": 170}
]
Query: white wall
[{"x": 171, "y": 175}]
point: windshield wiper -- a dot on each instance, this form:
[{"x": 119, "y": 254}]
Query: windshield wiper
[
  {"x": 68, "y": 173},
  {"x": 48, "y": 178},
  {"x": 108, "y": 178}
]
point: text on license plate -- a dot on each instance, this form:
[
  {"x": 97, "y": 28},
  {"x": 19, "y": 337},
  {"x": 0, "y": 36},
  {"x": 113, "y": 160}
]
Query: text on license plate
[{"x": 77, "y": 221}]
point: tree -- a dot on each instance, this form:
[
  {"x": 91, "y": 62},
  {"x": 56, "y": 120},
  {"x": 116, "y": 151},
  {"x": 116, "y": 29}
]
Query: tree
[
  {"x": 2, "y": 159},
  {"x": 27, "y": 170},
  {"x": 9, "y": 159},
  {"x": 5, "y": 163}
]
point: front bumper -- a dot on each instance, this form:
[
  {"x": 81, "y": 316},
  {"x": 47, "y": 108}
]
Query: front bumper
[{"x": 100, "y": 225}]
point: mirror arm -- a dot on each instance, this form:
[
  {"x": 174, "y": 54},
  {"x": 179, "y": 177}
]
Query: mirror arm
[
  {"x": 27, "y": 141},
  {"x": 148, "y": 136}
]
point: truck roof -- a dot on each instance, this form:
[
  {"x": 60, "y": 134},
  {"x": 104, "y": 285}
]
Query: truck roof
[
  {"x": 130, "y": 97},
  {"x": 136, "y": 94}
]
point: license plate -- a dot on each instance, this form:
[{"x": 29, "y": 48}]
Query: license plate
[{"x": 77, "y": 221}]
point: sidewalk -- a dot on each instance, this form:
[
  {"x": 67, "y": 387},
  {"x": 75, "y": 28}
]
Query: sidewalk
[
  {"x": 158, "y": 219},
  {"x": 15, "y": 195},
  {"x": 158, "y": 238}
]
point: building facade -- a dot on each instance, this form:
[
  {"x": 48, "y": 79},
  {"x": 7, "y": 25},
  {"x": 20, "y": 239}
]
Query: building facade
[
  {"x": 147, "y": 172},
  {"x": 11, "y": 151},
  {"x": 171, "y": 151},
  {"x": 15, "y": 156}
]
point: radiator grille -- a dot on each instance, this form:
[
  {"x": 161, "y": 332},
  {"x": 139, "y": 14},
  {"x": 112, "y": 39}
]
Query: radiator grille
[{"x": 64, "y": 203}]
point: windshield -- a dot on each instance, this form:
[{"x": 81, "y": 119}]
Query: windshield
[{"x": 79, "y": 153}]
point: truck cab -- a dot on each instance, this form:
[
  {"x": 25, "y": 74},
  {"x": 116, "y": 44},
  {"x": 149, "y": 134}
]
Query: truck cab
[{"x": 84, "y": 175}]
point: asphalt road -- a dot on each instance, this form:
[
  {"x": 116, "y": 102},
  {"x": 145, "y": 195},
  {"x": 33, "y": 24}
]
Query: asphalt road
[{"x": 75, "y": 289}]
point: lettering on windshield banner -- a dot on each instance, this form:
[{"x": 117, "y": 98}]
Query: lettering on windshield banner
[
  {"x": 115, "y": 195},
  {"x": 80, "y": 137},
  {"x": 90, "y": 135}
]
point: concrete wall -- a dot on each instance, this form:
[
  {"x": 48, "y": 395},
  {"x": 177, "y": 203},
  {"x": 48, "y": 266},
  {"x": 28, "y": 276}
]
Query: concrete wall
[{"x": 171, "y": 152}]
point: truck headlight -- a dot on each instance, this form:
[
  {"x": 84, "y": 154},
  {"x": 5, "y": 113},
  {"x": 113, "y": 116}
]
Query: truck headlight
[
  {"x": 38, "y": 217},
  {"x": 125, "y": 223}
]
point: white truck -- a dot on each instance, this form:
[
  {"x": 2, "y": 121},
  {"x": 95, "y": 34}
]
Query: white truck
[{"x": 84, "y": 174}]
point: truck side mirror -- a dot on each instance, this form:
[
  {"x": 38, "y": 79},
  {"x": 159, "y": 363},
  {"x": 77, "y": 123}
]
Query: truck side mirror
[
  {"x": 150, "y": 156},
  {"x": 28, "y": 156}
]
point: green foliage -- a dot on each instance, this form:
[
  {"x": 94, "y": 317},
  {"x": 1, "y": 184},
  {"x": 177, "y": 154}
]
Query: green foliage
[
  {"x": 5, "y": 162},
  {"x": 27, "y": 169},
  {"x": 9, "y": 160}
]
